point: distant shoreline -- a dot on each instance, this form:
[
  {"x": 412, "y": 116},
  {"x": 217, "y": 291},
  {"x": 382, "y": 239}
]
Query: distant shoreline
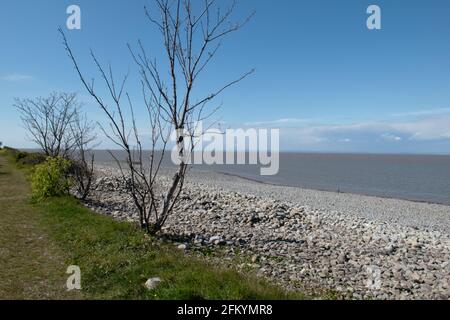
[
  {"x": 329, "y": 190},
  {"x": 301, "y": 152},
  {"x": 334, "y": 191}
]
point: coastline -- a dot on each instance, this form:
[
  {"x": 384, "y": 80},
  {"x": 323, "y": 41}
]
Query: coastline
[
  {"x": 303, "y": 238},
  {"x": 329, "y": 190},
  {"x": 417, "y": 178},
  {"x": 416, "y": 214}
]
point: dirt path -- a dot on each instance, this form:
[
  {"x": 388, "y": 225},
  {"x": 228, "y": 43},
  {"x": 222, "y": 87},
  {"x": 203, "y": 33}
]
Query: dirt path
[{"x": 31, "y": 266}]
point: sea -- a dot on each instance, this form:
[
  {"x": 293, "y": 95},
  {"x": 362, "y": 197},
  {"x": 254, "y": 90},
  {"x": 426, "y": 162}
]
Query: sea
[{"x": 424, "y": 178}]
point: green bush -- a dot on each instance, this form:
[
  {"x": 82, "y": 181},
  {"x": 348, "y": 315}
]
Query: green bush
[
  {"x": 51, "y": 178},
  {"x": 20, "y": 155},
  {"x": 32, "y": 159},
  {"x": 25, "y": 158}
]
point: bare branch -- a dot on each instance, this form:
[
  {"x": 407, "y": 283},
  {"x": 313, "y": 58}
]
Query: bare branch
[
  {"x": 47, "y": 121},
  {"x": 191, "y": 36}
]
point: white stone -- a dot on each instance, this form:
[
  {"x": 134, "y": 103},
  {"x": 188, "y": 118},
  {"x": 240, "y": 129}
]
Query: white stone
[
  {"x": 152, "y": 283},
  {"x": 214, "y": 239}
]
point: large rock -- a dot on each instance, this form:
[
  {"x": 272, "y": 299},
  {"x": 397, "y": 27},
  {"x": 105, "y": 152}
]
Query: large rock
[{"x": 152, "y": 283}]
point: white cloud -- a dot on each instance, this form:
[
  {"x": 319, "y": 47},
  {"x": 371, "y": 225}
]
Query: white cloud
[
  {"x": 390, "y": 137},
  {"x": 423, "y": 130},
  {"x": 16, "y": 77}
]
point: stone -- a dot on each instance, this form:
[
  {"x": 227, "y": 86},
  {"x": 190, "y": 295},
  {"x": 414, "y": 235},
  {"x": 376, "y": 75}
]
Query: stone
[
  {"x": 342, "y": 258},
  {"x": 416, "y": 277},
  {"x": 152, "y": 283},
  {"x": 219, "y": 242},
  {"x": 255, "y": 219},
  {"x": 281, "y": 215},
  {"x": 214, "y": 239}
]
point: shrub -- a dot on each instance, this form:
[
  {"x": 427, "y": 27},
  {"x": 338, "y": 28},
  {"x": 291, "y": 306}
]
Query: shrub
[
  {"x": 82, "y": 173},
  {"x": 51, "y": 179},
  {"x": 26, "y": 158},
  {"x": 32, "y": 159},
  {"x": 19, "y": 155}
]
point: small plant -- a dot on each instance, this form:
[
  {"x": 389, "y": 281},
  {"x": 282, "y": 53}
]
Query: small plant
[
  {"x": 51, "y": 178},
  {"x": 82, "y": 157},
  {"x": 82, "y": 173}
]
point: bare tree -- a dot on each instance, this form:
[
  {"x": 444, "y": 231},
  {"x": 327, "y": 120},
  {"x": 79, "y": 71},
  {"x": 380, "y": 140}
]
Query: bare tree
[
  {"x": 82, "y": 155},
  {"x": 47, "y": 121},
  {"x": 191, "y": 38}
]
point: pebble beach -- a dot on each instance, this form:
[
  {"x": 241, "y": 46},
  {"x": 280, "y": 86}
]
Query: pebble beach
[{"x": 358, "y": 247}]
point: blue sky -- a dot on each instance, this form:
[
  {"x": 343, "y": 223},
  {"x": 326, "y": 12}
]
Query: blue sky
[{"x": 321, "y": 76}]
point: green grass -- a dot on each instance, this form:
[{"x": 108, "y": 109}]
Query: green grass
[
  {"x": 115, "y": 258},
  {"x": 31, "y": 265}
]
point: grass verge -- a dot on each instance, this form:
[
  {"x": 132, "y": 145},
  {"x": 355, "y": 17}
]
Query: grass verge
[{"x": 32, "y": 266}]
